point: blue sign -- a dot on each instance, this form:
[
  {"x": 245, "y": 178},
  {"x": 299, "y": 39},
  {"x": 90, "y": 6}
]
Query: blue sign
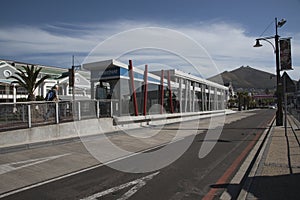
[{"x": 111, "y": 71}]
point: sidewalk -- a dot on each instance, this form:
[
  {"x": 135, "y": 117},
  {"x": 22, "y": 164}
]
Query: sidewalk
[{"x": 277, "y": 171}]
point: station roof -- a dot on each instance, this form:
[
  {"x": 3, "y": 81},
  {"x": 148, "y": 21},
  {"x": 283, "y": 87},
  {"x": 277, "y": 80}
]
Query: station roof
[{"x": 103, "y": 65}]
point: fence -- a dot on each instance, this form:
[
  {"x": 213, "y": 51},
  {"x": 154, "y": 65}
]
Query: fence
[
  {"x": 8, "y": 94},
  {"x": 295, "y": 112},
  {"x": 38, "y": 113},
  {"x": 292, "y": 105}
]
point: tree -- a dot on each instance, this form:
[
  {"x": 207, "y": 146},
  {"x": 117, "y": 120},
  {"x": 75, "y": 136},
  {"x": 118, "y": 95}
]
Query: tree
[
  {"x": 244, "y": 100},
  {"x": 267, "y": 91},
  {"x": 28, "y": 79}
]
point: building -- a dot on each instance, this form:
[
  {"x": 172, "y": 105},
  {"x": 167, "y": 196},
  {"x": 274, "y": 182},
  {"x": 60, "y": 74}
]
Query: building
[
  {"x": 137, "y": 92},
  {"x": 9, "y": 90}
]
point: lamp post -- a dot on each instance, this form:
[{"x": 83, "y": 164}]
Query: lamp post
[{"x": 279, "y": 113}]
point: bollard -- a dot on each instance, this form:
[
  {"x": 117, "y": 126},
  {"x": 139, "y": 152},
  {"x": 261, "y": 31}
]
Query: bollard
[
  {"x": 56, "y": 113},
  {"x": 29, "y": 116},
  {"x": 79, "y": 113}
]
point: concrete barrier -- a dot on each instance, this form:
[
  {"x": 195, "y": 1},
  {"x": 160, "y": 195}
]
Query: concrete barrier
[
  {"x": 160, "y": 119},
  {"x": 27, "y": 138}
]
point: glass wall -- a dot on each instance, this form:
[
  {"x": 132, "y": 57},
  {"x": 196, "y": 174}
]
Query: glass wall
[{"x": 187, "y": 95}]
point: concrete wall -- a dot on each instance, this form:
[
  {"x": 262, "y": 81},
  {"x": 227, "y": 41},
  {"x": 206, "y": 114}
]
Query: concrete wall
[{"x": 64, "y": 131}]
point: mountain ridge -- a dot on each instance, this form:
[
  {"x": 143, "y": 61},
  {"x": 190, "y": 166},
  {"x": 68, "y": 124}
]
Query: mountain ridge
[{"x": 247, "y": 78}]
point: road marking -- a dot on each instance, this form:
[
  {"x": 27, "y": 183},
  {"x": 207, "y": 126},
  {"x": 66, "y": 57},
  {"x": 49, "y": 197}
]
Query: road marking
[
  {"x": 236, "y": 163},
  {"x": 138, "y": 184},
  {"x": 8, "y": 167},
  {"x": 82, "y": 170},
  {"x": 237, "y": 179}
]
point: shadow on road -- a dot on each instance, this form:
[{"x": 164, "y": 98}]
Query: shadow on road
[
  {"x": 267, "y": 187},
  {"x": 205, "y": 128}
]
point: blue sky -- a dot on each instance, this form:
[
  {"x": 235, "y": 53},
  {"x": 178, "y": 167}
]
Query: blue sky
[{"x": 50, "y": 32}]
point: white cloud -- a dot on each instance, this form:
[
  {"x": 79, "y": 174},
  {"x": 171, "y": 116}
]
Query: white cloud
[
  {"x": 34, "y": 40},
  {"x": 227, "y": 44}
]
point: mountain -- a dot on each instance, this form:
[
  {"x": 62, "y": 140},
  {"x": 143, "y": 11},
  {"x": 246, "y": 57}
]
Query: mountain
[{"x": 247, "y": 78}]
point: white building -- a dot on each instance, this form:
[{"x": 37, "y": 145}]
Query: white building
[
  {"x": 9, "y": 90},
  {"x": 173, "y": 90}
]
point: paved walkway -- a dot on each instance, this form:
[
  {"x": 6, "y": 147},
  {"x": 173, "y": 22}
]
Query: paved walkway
[{"x": 276, "y": 174}]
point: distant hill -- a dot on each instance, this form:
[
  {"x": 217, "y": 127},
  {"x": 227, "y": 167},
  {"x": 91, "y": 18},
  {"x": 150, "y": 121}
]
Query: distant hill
[{"x": 247, "y": 78}]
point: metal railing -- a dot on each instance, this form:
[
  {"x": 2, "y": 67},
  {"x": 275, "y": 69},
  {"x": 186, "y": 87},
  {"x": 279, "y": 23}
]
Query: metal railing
[
  {"x": 8, "y": 94},
  {"x": 39, "y": 113},
  {"x": 295, "y": 112}
]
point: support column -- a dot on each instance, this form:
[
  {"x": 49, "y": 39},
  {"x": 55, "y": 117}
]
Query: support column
[
  {"x": 131, "y": 75},
  {"x": 223, "y": 99},
  {"x": 92, "y": 90},
  {"x": 180, "y": 94},
  {"x": 186, "y": 95},
  {"x": 145, "y": 90},
  {"x": 216, "y": 100},
  {"x": 209, "y": 98},
  {"x": 14, "y": 97},
  {"x": 119, "y": 95},
  {"x": 193, "y": 97},
  {"x": 161, "y": 91},
  {"x": 79, "y": 110},
  {"x": 203, "y": 97},
  {"x": 190, "y": 96},
  {"x": 7, "y": 90},
  {"x": 170, "y": 93}
]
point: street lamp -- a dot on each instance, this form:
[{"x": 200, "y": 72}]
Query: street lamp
[{"x": 279, "y": 113}]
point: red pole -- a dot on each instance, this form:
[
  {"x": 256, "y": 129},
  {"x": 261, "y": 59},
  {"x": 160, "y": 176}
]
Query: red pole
[
  {"x": 162, "y": 91},
  {"x": 170, "y": 93},
  {"x": 145, "y": 89},
  {"x": 131, "y": 75}
]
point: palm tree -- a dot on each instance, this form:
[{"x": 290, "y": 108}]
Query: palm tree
[{"x": 27, "y": 78}]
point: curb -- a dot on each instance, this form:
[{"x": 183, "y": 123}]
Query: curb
[
  {"x": 255, "y": 164},
  {"x": 249, "y": 166}
]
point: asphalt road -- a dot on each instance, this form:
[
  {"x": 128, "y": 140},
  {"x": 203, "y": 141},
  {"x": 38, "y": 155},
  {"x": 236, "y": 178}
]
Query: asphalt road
[{"x": 189, "y": 177}]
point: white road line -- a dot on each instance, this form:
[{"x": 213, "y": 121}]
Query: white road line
[
  {"x": 138, "y": 184},
  {"x": 8, "y": 167},
  {"x": 82, "y": 170}
]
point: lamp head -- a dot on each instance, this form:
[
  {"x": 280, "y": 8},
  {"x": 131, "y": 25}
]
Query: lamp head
[
  {"x": 257, "y": 44},
  {"x": 281, "y": 23}
]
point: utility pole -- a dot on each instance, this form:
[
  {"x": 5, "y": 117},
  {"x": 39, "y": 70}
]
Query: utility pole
[
  {"x": 72, "y": 78},
  {"x": 279, "y": 113}
]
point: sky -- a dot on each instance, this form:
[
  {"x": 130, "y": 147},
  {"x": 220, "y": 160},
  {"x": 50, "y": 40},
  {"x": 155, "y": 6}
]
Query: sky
[{"x": 212, "y": 35}]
